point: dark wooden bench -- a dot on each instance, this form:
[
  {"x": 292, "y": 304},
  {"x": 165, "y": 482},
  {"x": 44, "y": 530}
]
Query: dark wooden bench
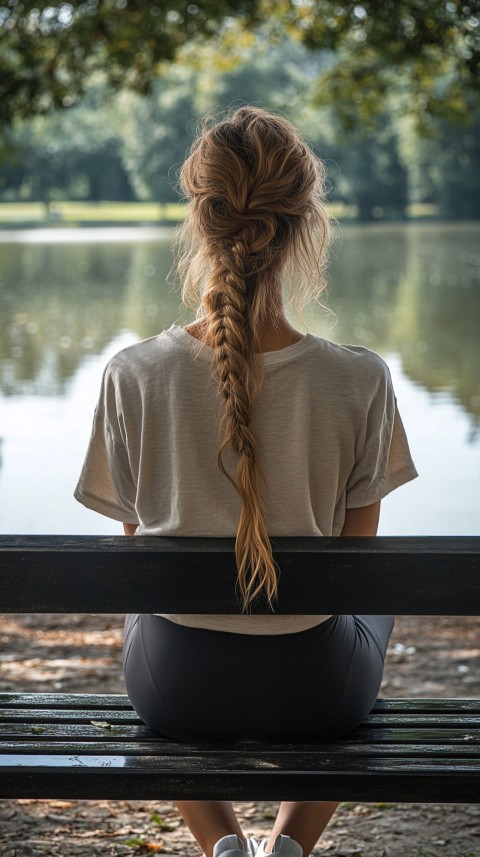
[{"x": 406, "y": 750}]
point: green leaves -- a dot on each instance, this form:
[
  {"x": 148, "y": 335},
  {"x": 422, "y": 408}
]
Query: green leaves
[
  {"x": 162, "y": 824},
  {"x": 50, "y": 52}
]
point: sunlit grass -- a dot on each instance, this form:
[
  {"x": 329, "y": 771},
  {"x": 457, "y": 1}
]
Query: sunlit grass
[
  {"x": 86, "y": 212},
  {"x": 73, "y": 213}
]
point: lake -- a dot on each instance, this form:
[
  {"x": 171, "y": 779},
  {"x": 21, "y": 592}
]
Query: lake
[{"x": 69, "y": 299}]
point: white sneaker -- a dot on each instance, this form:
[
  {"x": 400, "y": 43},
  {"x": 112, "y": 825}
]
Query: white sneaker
[
  {"x": 283, "y": 845},
  {"x": 252, "y": 846},
  {"x": 230, "y": 846}
]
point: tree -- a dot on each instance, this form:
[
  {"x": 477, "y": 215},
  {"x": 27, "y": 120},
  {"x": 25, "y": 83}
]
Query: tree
[
  {"x": 373, "y": 176},
  {"x": 457, "y": 170},
  {"x": 423, "y": 56},
  {"x": 51, "y": 49},
  {"x": 113, "y": 147},
  {"x": 427, "y": 52},
  {"x": 72, "y": 154},
  {"x": 157, "y": 133}
]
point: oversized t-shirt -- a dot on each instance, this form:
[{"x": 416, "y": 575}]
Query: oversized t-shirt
[{"x": 328, "y": 433}]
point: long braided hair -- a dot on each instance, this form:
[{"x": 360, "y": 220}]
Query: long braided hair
[{"x": 255, "y": 218}]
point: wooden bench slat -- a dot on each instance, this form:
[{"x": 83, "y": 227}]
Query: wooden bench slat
[
  {"x": 67, "y": 715},
  {"x": 65, "y": 700},
  {"x": 273, "y": 756},
  {"x": 438, "y": 720},
  {"x": 404, "y": 575},
  {"x": 97, "y": 777},
  {"x": 69, "y": 731},
  {"x": 121, "y": 702},
  {"x": 425, "y": 704},
  {"x": 361, "y": 787},
  {"x": 218, "y": 763},
  {"x": 83, "y": 733},
  {"x": 412, "y": 734},
  {"x": 419, "y": 720}
]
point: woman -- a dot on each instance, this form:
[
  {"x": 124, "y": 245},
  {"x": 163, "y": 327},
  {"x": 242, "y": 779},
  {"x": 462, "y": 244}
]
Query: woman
[{"x": 240, "y": 425}]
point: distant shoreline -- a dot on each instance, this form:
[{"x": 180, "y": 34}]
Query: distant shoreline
[
  {"x": 97, "y": 233},
  {"x": 68, "y": 214}
]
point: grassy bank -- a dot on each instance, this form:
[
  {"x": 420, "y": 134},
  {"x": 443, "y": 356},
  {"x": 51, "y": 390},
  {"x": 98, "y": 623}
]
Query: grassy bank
[
  {"x": 85, "y": 213},
  {"x": 14, "y": 214}
]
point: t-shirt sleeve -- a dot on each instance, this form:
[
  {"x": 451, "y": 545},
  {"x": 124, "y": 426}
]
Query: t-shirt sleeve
[
  {"x": 385, "y": 462},
  {"x": 106, "y": 484}
]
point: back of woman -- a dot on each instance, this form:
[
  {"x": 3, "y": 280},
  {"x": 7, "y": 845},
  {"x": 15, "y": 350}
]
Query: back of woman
[{"x": 239, "y": 425}]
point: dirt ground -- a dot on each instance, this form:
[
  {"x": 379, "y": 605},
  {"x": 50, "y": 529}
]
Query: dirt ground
[{"x": 426, "y": 657}]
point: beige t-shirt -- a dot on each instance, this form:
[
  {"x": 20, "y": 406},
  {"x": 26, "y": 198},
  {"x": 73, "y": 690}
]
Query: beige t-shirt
[{"x": 328, "y": 433}]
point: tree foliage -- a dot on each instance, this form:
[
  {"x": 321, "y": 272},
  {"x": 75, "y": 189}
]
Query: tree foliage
[
  {"x": 423, "y": 56},
  {"x": 129, "y": 146},
  {"x": 424, "y": 53},
  {"x": 50, "y": 50}
]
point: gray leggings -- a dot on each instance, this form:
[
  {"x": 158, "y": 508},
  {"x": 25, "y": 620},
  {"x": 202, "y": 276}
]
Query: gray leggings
[{"x": 196, "y": 684}]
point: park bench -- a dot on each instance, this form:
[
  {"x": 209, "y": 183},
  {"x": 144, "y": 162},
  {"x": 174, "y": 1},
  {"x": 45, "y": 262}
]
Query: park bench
[{"x": 406, "y": 750}]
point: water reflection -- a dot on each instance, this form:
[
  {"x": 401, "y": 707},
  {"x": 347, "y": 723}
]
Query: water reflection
[
  {"x": 415, "y": 291},
  {"x": 438, "y": 339},
  {"x": 60, "y": 302},
  {"x": 410, "y": 290}
]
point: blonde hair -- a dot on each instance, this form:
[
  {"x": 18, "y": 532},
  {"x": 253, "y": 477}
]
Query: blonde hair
[{"x": 255, "y": 219}]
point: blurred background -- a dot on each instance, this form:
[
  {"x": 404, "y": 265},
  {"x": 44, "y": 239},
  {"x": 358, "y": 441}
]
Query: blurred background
[{"x": 98, "y": 105}]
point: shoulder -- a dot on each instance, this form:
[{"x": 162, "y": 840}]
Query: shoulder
[
  {"x": 352, "y": 363},
  {"x": 138, "y": 361}
]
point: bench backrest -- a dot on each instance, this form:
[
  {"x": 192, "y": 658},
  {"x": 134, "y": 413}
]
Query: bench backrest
[{"x": 101, "y": 574}]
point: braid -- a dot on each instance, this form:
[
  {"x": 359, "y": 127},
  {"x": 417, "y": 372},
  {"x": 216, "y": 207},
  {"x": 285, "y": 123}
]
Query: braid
[
  {"x": 255, "y": 217},
  {"x": 237, "y": 373}
]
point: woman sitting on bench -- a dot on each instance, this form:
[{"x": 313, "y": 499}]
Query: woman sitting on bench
[{"x": 240, "y": 425}]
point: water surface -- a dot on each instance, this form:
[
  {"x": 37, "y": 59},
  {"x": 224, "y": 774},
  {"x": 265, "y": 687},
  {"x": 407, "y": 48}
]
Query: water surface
[{"x": 69, "y": 299}]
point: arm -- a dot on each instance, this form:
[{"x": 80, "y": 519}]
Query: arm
[
  {"x": 362, "y": 521},
  {"x": 130, "y": 529}
]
